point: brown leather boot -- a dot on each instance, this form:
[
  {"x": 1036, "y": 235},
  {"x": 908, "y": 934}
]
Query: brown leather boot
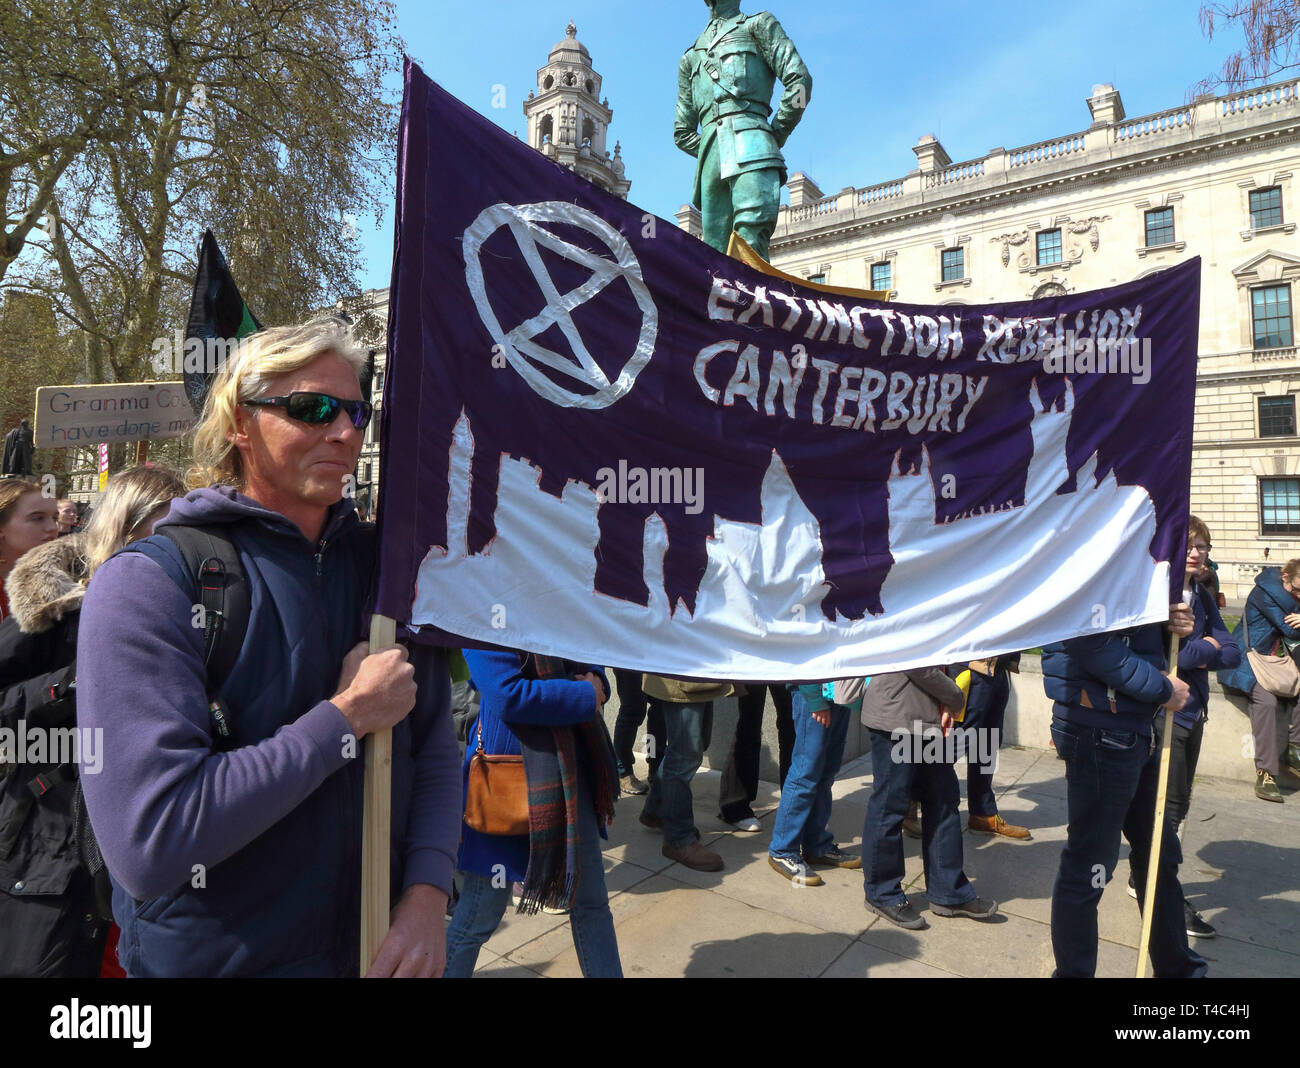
[
  {"x": 997, "y": 825},
  {"x": 693, "y": 856}
]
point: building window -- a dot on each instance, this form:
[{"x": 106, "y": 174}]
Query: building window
[
  {"x": 1160, "y": 227},
  {"x": 954, "y": 264},
  {"x": 1277, "y": 417},
  {"x": 1279, "y": 505},
  {"x": 1270, "y": 313},
  {"x": 880, "y": 277},
  {"x": 1265, "y": 207},
  {"x": 1049, "y": 247},
  {"x": 820, "y": 279}
]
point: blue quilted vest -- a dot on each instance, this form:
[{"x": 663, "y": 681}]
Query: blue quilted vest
[{"x": 289, "y": 902}]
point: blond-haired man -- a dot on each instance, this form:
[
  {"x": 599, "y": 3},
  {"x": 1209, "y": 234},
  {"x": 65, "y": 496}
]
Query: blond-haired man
[{"x": 234, "y": 844}]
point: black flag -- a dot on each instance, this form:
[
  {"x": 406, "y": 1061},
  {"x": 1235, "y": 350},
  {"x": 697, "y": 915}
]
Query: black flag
[{"x": 216, "y": 311}]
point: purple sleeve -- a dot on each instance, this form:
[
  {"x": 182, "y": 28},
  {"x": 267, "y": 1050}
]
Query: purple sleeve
[
  {"x": 433, "y": 827},
  {"x": 162, "y": 796},
  {"x": 1198, "y": 653}
]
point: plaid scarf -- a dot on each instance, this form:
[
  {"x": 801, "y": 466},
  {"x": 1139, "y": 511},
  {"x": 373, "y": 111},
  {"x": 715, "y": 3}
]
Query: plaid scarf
[{"x": 552, "y": 756}]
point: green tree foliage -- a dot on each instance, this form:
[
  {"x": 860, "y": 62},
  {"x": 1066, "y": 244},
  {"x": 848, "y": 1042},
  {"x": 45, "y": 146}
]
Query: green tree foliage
[
  {"x": 266, "y": 120},
  {"x": 34, "y": 351},
  {"x": 57, "y": 94}
]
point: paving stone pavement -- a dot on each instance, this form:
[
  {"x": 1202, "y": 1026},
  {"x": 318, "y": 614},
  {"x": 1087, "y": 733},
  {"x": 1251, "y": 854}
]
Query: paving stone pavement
[{"x": 1241, "y": 870}]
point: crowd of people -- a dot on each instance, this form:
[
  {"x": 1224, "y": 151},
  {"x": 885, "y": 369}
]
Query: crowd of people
[{"x": 212, "y": 644}]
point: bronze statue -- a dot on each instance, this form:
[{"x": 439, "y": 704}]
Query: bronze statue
[
  {"x": 18, "y": 451},
  {"x": 724, "y": 95}
]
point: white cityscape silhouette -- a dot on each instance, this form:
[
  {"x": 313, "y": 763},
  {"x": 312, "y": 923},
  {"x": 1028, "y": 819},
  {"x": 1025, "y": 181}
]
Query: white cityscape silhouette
[{"x": 1012, "y": 578}]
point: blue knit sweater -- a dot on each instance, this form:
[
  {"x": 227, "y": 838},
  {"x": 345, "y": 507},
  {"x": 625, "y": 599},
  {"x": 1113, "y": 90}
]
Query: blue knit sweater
[{"x": 508, "y": 697}]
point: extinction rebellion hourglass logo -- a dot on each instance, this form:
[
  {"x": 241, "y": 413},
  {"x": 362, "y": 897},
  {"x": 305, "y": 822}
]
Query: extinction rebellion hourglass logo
[{"x": 520, "y": 344}]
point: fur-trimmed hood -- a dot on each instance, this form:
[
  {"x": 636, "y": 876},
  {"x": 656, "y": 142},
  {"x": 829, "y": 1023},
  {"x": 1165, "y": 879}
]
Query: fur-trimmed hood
[{"x": 46, "y": 583}]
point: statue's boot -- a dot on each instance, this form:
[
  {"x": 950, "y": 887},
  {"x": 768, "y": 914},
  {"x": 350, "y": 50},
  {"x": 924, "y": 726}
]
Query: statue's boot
[
  {"x": 756, "y": 198},
  {"x": 756, "y": 235}
]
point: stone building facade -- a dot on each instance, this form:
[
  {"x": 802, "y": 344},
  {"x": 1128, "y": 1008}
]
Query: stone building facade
[
  {"x": 1105, "y": 205},
  {"x": 368, "y": 312}
]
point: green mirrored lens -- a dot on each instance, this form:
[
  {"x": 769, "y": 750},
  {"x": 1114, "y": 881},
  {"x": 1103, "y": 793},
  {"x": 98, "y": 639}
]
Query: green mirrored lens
[{"x": 313, "y": 407}]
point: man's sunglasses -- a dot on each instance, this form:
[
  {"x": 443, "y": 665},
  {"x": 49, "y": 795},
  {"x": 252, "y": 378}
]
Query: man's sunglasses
[{"x": 318, "y": 409}]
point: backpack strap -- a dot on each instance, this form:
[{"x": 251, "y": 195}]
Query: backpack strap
[
  {"x": 222, "y": 588},
  {"x": 204, "y": 563},
  {"x": 205, "y": 566}
]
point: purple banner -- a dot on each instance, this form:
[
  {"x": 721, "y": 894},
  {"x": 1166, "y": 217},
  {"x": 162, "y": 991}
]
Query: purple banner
[{"x": 605, "y": 440}]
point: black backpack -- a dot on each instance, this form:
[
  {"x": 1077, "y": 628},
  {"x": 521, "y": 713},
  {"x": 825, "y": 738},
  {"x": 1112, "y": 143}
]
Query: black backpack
[{"x": 211, "y": 569}]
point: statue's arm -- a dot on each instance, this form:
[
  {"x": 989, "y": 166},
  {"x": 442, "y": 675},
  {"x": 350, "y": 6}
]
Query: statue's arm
[
  {"x": 686, "y": 135},
  {"x": 783, "y": 58}
]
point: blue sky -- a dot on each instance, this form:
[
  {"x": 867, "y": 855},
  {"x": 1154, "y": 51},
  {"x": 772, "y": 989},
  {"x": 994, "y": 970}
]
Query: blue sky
[{"x": 977, "y": 75}]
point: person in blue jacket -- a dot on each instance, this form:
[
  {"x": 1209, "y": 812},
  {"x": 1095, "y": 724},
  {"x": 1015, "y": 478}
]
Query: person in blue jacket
[
  {"x": 235, "y": 846},
  {"x": 518, "y": 704},
  {"x": 1272, "y": 615},
  {"x": 1105, "y": 690},
  {"x": 1209, "y": 646}
]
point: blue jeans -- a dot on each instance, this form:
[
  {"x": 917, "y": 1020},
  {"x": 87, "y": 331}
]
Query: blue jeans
[
  {"x": 483, "y": 901},
  {"x": 1111, "y": 787},
  {"x": 805, "y": 807},
  {"x": 688, "y": 727},
  {"x": 894, "y": 783}
]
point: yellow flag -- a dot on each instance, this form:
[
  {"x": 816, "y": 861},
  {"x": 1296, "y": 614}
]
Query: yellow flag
[
  {"x": 963, "y": 684},
  {"x": 739, "y": 249}
]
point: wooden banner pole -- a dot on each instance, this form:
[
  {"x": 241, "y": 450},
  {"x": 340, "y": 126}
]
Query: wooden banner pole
[
  {"x": 1158, "y": 828},
  {"x": 141, "y": 451},
  {"x": 377, "y": 817}
]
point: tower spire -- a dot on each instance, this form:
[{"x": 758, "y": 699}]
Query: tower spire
[{"x": 568, "y": 120}]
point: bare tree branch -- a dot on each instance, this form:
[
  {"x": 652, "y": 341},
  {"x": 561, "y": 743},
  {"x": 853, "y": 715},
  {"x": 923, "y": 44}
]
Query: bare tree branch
[{"x": 1272, "y": 32}]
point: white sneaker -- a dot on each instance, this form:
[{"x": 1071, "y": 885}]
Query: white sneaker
[{"x": 748, "y": 824}]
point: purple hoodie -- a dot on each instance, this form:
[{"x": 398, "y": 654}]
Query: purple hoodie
[{"x": 247, "y": 862}]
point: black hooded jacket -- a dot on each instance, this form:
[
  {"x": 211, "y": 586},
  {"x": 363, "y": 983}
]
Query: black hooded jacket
[{"x": 38, "y": 645}]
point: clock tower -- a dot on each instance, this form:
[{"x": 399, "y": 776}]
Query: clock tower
[{"x": 568, "y": 119}]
